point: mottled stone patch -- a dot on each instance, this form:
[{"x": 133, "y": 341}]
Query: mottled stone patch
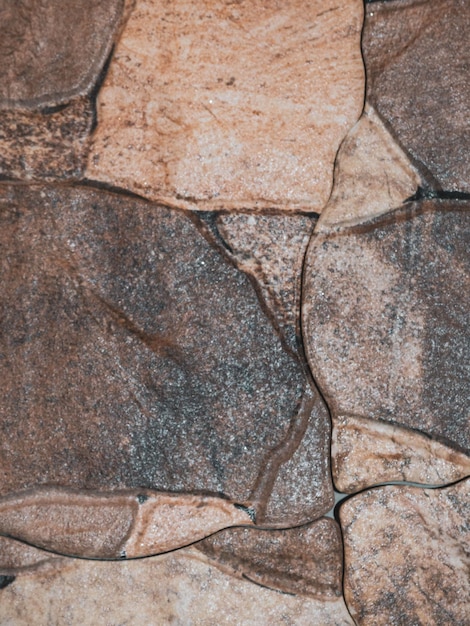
[
  {"x": 417, "y": 62},
  {"x": 230, "y": 105},
  {"x": 386, "y": 319},
  {"x": 407, "y": 555},
  {"x": 183, "y": 587},
  {"x": 135, "y": 356},
  {"x": 304, "y": 561}
]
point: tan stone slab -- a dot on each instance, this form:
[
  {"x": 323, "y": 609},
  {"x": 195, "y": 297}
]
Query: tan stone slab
[
  {"x": 16, "y": 557},
  {"x": 386, "y": 319},
  {"x": 365, "y": 452},
  {"x": 181, "y": 588},
  {"x": 114, "y": 525},
  {"x": 407, "y": 556},
  {"x": 417, "y": 62},
  {"x": 306, "y": 560},
  {"x": 372, "y": 175},
  {"x": 232, "y": 105}
]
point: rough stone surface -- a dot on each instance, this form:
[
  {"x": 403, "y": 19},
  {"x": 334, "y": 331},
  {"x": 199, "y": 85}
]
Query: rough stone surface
[
  {"x": 372, "y": 175},
  {"x": 49, "y": 143},
  {"x": 134, "y": 355},
  {"x": 116, "y": 524},
  {"x": 179, "y": 588},
  {"x": 16, "y": 557},
  {"x": 271, "y": 249},
  {"x": 386, "y": 319},
  {"x": 51, "y": 51},
  {"x": 417, "y": 62},
  {"x": 230, "y": 105},
  {"x": 305, "y": 560},
  {"x": 365, "y": 452},
  {"x": 407, "y": 556}
]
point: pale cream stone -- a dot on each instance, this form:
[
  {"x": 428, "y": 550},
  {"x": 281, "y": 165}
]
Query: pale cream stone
[
  {"x": 179, "y": 588},
  {"x": 367, "y": 452},
  {"x": 372, "y": 175},
  {"x": 212, "y": 105}
]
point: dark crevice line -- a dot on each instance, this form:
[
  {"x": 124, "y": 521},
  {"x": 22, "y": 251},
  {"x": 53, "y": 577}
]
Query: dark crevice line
[
  {"x": 120, "y": 191},
  {"x": 255, "y": 582},
  {"x": 424, "y": 193}
]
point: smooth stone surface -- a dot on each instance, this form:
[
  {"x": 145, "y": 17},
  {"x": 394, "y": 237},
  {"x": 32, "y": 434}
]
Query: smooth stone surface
[
  {"x": 48, "y": 144},
  {"x": 126, "y": 333},
  {"x": 372, "y": 175},
  {"x": 271, "y": 249},
  {"x": 230, "y": 105},
  {"x": 365, "y": 452},
  {"x": 303, "y": 561},
  {"x": 386, "y": 319},
  {"x": 52, "y": 51},
  {"x": 417, "y": 62},
  {"x": 179, "y": 588},
  {"x": 115, "y": 524},
  {"x": 407, "y": 556}
]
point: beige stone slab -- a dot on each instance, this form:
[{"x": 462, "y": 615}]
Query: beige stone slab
[
  {"x": 365, "y": 452},
  {"x": 372, "y": 175},
  {"x": 181, "y": 588},
  {"x": 223, "y": 105},
  {"x": 407, "y": 556}
]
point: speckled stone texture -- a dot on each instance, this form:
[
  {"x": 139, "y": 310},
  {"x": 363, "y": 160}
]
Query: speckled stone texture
[
  {"x": 417, "y": 61},
  {"x": 407, "y": 556},
  {"x": 230, "y": 105},
  {"x": 51, "y": 60},
  {"x": 182, "y": 588},
  {"x": 386, "y": 318},
  {"x": 306, "y": 560},
  {"x": 135, "y": 355}
]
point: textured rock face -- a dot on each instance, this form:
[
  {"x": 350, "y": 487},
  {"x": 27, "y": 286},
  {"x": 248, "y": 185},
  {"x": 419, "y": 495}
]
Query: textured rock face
[
  {"x": 407, "y": 555},
  {"x": 417, "y": 61},
  {"x": 239, "y": 104},
  {"x": 136, "y": 356},
  {"x": 386, "y": 319}
]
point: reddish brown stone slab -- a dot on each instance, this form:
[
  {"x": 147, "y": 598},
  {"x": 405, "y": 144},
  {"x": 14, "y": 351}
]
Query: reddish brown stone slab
[
  {"x": 407, "y": 556},
  {"x": 304, "y": 561},
  {"x": 134, "y": 355},
  {"x": 417, "y": 62},
  {"x": 386, "y": 319}
]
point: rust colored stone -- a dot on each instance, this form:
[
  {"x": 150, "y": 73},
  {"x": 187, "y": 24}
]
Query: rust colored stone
[
  {"x": 386, "y": 319},
  {"x": 407, "y": 556},
  {"x": 231, "y": 105},
  {"x": 135, "y": 356},
  {"x": 303, "y": 561},
  {"x": 417, "y": 62}
]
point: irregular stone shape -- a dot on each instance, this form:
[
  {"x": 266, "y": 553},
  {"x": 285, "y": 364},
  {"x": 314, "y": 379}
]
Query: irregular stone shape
[
  {"x": 16, "y": 557},
  {"x": 271, "y": 248},
  {"x": 178, "y": 588},
  {"x": 417, "y": 62},
  {"x": 49, "y": 143},
  {"x": 365, "y": 452},
  {"x": 407, "y": 555},
  {"x": 53, "y": 51},
  {"x": 114, "y": 525},
  {"x": 135, "y": 356},
  {"x": 230, "y": 105},
  {"x": 372, "y": 175},
  {"x": 305, "y": 561},
  {"x": 386, "y": 319}
]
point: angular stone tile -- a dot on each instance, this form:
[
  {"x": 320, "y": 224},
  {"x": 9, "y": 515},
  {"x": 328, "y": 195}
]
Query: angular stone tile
[
  {"x": 48, "y": 72},
  {"x": 417, "y": 63},
  {"x": 386, "y": 320},
  {"x": 181, "y": 588},
  {"x": 372, "y": 175},
  {"x": 306, "y": 560},
  {"x": 114, "y": 525},
  {"x": 407, "y": 555},
  {"x": 271, "y": 249},
  {"x": 237, "y": 105},
  {"x": 135, "y": 356},
  {"x": 364, "y": 452}
]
